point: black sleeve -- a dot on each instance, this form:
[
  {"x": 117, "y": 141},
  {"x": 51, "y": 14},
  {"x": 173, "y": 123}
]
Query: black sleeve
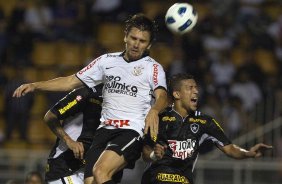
[
  {"x": 216, "y": 133},
  {"x": 72, "y": 103}
]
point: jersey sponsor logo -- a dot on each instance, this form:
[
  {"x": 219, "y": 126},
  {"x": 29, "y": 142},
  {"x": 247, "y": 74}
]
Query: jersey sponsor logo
[
  {"x": 167, "y": 118},
  {"x": 195, "y": 127},
  {"x": 166, "y": 177},
  {"x": 114, "y": 85},
  {"x": 137, "y": 70},
  {"x": 89, "y": 66},
  {"x": 69, "y": 179},
  {"x": 182, "y": 149},
  {"x": 68, "y": 106},
  {"x": 193, "y": 120},
  {"x": 155, "y": 74},
  {"x": 118, "y": 123}
]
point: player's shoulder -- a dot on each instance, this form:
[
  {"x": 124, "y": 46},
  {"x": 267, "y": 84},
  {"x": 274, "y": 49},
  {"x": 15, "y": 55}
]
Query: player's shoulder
[
  {"x": 150, "y": 60},
  {"x": 166, "y": 112},
  {"x": 113, "y": 55},
  {"x": 198, "y": 116}
]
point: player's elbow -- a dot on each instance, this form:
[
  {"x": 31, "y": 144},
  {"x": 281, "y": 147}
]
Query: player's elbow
[{"x": 50, "y": 117}]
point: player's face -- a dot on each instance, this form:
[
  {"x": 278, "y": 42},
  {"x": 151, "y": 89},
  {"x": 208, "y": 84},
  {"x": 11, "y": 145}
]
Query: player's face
[
  {"x": 136, "y": 43},
  {"x": 188, "y": 94}
]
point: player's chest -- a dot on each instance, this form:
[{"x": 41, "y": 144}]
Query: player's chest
[
  {"x": 183, "y": 129},
  {"x": 126, "y": 72}
]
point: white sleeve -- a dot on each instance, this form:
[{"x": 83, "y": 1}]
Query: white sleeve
[
  {"x": 93, "y": 73},
  {"x": 157, "y": 76}
]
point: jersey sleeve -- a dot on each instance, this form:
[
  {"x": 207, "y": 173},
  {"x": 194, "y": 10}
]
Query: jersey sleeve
[
  {"x": 216, "y": 133},
  {"x": 92, "y": 74},
  {"x": 72, "y": 103},
  {"x": 157, "y": 76}
]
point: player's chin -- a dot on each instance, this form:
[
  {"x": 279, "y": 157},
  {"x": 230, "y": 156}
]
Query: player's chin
[
  {"x": 193, "y": 107},
  {"x": 135, "y": 56}
]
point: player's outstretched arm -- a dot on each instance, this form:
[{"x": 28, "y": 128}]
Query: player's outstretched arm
[
  {"x": 58, "y": 84},
  {"x": 152, "y": 118},
  {"x": 56, "y": 127},
  {"x": 237, "y": 152}
]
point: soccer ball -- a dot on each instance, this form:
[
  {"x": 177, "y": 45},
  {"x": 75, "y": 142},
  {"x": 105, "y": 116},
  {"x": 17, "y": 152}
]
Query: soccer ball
[{"x": 180, "y": 18}]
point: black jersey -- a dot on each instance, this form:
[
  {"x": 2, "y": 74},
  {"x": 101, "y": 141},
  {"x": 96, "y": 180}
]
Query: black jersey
[
  {"x": 184, "y": 136},
  {"x": 81, "y": 112}
]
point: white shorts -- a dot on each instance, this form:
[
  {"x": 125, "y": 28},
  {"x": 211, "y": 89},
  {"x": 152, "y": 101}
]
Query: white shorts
[{"x": 76, "y": 178}]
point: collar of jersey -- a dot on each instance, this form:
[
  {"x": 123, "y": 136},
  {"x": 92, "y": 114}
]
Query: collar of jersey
[{"x": 144, "y": 55}]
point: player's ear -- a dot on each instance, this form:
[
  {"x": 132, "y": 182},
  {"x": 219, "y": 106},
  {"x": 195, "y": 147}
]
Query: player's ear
[
  {"x": 149, "y": 46},
  {"x": 125, "y": 39},
  {"x": 176, "y": 94}
]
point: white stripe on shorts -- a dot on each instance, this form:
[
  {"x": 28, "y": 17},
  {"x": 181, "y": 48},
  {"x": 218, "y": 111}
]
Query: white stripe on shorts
[{"x": 128, "y": 144}]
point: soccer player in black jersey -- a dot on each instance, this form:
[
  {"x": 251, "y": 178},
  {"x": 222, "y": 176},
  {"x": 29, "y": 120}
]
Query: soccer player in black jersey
[
  {"x": 73, "y": 120},
  {"x": 182, "y": 130}
]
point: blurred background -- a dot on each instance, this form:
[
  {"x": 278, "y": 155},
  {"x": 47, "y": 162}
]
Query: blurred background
[{"x": 235, "y": 53}]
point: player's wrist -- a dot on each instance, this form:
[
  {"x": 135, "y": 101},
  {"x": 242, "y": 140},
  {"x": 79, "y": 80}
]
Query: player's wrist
[
  {"x": 154, "y": 110},
  {"x": 153, "y": 156}
]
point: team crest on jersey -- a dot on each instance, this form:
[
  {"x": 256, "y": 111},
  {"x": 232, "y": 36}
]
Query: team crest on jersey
[
  {"x": 195, "y": 127},
  {"x": 137, "y": 70}
]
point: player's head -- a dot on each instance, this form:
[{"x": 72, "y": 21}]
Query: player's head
[
  {"x": 139, "y": 33},
  {"x": 34, "y": 177},
  {"x": 184, "y": 91}
]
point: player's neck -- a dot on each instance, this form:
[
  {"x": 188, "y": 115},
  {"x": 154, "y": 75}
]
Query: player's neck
[{"x": 181, "y": 110}]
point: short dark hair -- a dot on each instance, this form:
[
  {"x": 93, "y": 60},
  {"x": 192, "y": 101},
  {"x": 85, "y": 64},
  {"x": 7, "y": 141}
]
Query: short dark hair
[
  {"x": 143, "y": 23},
  {"x": 174, "y": 82}
]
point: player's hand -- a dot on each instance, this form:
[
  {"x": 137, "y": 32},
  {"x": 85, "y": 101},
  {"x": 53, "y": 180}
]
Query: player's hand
[
  {"x": 257, "y": 150},
  {"x": 24, "y": 89},
  {"x": 76, "y": 147},
  {"x": 152, "y": 122},
  {"x": 159, "y": 151}
]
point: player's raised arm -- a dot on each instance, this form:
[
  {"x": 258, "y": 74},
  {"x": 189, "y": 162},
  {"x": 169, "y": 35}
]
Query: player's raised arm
[
  {"x": 58, "y": 84},
  {"x": 237, "y": 152}
]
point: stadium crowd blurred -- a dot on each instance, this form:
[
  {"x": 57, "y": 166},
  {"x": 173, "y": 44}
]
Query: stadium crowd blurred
[{"x": 235, "y": 52}]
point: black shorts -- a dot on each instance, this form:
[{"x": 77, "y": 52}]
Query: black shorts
[
  {"x": 124, "y": 142},
  {"x": 165, "y": 174},
  {"x": 64, "y": 165}
]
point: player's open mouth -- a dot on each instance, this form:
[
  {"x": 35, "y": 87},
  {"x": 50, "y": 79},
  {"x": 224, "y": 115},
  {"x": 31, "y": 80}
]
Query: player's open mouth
[{"x": 194, "y": 100}]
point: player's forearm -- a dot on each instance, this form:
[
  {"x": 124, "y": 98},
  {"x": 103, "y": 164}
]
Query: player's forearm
[
  {"x": 161, "y": 102},
  {"x": 58, "y": 84},
  {"x": 236, "y": 152},
  {"x": 55, "y": 126}
]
